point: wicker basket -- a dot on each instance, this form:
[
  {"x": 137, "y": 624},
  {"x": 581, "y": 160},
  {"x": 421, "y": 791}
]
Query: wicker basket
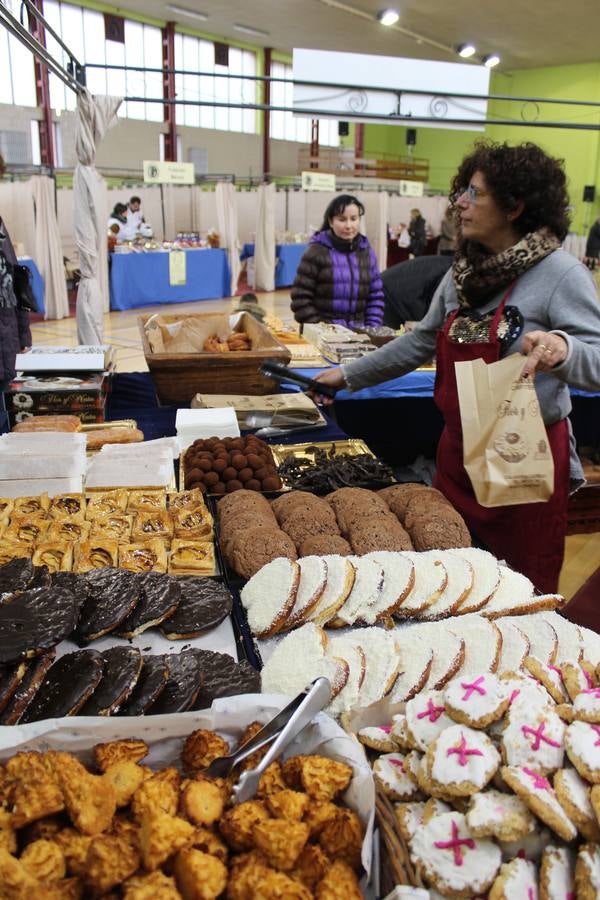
[{"x": 396, "y": 867}]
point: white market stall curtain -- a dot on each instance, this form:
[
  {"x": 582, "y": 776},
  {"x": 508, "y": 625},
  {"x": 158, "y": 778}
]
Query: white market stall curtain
[
  {"x": 168, "y": 211},
  {"x": 48, "y": 248},
  {"x": 95, "y": 115},
  {"x": 227, "y": 224},
  {"x": 379, "y": 232},
  {"x": 264, "y": 245}
]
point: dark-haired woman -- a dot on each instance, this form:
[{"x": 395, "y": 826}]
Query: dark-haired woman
[
  {"x": 511, "y": 288},
  {"x": 117, "y": 221},
  {"x": 338, "y": 278}
]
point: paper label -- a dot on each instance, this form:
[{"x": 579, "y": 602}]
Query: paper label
[{"x": 177, "y": 268}]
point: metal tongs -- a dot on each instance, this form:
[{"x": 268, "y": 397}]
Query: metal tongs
[{"x": 281, "y": 731}]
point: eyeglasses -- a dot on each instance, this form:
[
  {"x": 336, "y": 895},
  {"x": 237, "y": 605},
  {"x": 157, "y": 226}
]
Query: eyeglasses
[{"x": 473, "y": 193}]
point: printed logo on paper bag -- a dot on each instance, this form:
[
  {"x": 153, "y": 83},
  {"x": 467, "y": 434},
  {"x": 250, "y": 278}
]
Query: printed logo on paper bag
[{"x": 511, "y": 446}]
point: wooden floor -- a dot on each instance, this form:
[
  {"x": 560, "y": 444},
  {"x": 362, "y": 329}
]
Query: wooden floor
[{"x": 121, "y": 330}]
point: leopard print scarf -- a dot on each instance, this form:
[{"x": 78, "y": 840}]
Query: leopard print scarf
[{"x": 479, "y": 275}]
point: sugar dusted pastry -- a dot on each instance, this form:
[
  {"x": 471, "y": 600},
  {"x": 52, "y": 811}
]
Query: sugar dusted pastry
[
  {"x": 147, "y": 500},
  {"x": 26, "y": 529},
  {"x": 152, "y": 524},
  {"x": 103, "y": 502},
  {"x": 192, "y": 558},
  {"x": 56, "y": 555},
  {"x": 116, "y": 526},
  {"x": 68, "y": 506},
  {"x": 96, "y": 553},
  {"x": 144, "y": 556},
  {"x": 27, "y": 506},
  {"x": 67, "y": 530},
  {"x": 195, "y": 524}
]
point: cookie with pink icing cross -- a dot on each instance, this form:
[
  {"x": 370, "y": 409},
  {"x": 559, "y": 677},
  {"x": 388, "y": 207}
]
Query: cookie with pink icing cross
[
  {"x": 586, "y": 706},
  {"x": 582, "y": 743},
  {"x": 493, "y": 813},
  {"x": 392, "y": 774},
  {"x": 517, "y": 880},
  {"x": 525, "y": 689},
  {"x": 549, "y": 677},
  {"x": 533, "y": 738},
  {"x": 476, "y": 701},
  {"x": 461, "y": 761},
  {"x": 557, "y": 874},
  {"x": 576, "y": 679},
  {"x": 378, "y": 737},
  {"x": 451, "y": 860},
  {"x": 426, "y": 718},
  {"x": 536, "y": 791},
  {"x": 574, "y": 795}
]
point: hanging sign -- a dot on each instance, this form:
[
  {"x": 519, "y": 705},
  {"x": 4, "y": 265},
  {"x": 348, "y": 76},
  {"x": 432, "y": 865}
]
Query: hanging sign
[
  {"x": 411, "y": 188},
  {"x": 156, "y": 172},
  {"x": 318, "y": 181},
  {"x": 177, "y": 268}
]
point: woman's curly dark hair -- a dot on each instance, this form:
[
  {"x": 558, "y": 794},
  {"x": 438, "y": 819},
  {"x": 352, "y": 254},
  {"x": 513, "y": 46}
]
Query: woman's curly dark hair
[{"x": 520, "y": 174}]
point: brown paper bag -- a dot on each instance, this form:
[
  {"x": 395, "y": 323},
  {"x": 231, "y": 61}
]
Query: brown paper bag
[{"x": 505, "y": 446}]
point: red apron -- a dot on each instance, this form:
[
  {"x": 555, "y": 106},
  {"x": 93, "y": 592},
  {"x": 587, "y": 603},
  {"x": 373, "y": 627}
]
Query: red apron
[{"x": 529, "y": 536}]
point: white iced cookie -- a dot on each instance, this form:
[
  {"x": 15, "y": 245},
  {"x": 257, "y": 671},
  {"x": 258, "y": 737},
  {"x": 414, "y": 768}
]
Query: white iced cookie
[
  {"x": 533, "y": 738},
  {"x": 526, "y": 690},
  {"x": 398, "y": 731},
  {"x": 516, "y": 880},
  {"x": 495, "y": 814},
  {"x": 587, "y": 705},
  {"x": 391, "y": 773},
  {"x": 451, "y": 859},
  {"x": 582, "y": 743},
  {"x": 587, "y": 872},
  {"x": 536, "y": 791},
  {"x": 378, "y": 737},
  {"x": 557, "y": 873},
  {"x": 409, "y": 817},
  {"x": 426, "y": 718},
  {"x": 574, "y": 795},
  {"x": 476, "y": 701},
  {"x": 462, "y": 760},
  {"x": 549, "y": 677}
]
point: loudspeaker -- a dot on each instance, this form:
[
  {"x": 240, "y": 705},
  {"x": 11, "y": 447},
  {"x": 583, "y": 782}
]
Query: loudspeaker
[
  {"x": 411, "y": 137},
  {"x": 343, "y": 129},
  {"x": 589, "y": 193},
  {"x": 221, "y": 54}
]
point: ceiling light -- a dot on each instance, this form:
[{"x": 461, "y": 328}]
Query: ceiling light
[
  {"x": 191, "y": 13},
  {"x": 466, "y": 50},
  {"x": 247, "y": 29},
  {"x": 388, "y": 16},
  {"x": 491, "y": 60}
]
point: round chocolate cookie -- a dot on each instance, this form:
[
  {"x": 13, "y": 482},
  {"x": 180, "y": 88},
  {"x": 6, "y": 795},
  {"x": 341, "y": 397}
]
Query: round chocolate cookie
[
  {"x": 183, "y": 684},
  {"x": 309, "y": 505},
  {"x": 397, "y": 496},
  {"x": 160, "y": 597},
  {"x": 34, "y": 621},
  {"x": 35, "y": 673},
  {"x": 428, "y": 500},
  {"x": 324, "y": 545},
  {"x": 434, "y": 531},
  {"x": 70, "y": 581},
  {"x": 122, "y": 667},
  {"x": 15, "y": 575},
  {"x": 254, "y": 548},
  {"x": 223, "y": 677},
  {"x": 151, "y": 682},
  {"x": 302, "y": 524},
  {"x": 69, "y": 683},
  {"x": 379, "y": 533},
  {"x": 112, "y": 595},
  {"x": 204, "y": 604}
]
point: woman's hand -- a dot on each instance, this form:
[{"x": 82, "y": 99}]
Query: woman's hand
[
  {"x": 334, "y": 378},
  {"x": 544, "y": 351}
]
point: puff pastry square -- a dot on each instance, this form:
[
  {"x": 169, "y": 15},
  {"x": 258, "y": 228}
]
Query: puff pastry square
[
  {"x": 101, "y": 503},
  {"x": 56, "y": 555},
  {"x": 193, "y": 524},
  {"x": 26, "y": 529},
  {"x": 68, "y": 506},
  {"x": 27, "y": 506},
  {"x": 6, "y": 507},
  {"x": 148, "y": 525},
  {"x": 144, "y": 556},
  {"x": 192, "y": 499},
  {"x": 192, "y": 558},
  {"x": 14, "y": 550},
  {"x": 67, "y": 530},
  {"x": 147, "y": 500},
  {"x": 93, "y": 554},
  {"x": 116, "y": 526}
]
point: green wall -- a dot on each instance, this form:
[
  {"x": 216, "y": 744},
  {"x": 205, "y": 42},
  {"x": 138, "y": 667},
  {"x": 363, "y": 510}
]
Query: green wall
[{"x": 579, "y": 149}]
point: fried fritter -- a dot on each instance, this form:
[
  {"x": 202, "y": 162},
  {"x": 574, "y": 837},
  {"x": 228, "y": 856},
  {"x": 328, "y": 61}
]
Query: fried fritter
[
  {"x": 276, "y": 886},
  {"x": 198, "y": 875},
  {"x": 202, "y": 802},
  {"x": 35, "y": 798},
  {"x": 74, "y": 847},
  {"x": 206, "y": 840},
  {"x": 249, "y": 732},
  {"x": 244, "y": 880},
  {"x": 162, "y": 835},
  {"x": 271, "y": 781},
  {"x": 8, "y": 835},
  {"x": 323, "y": 778},
  {"x": 200, "y": 748},
  {"x": 44, "y": 860},
  {"x": 125, "y": 778},
  {"x": 89, "y": 799},
  {"x": 311, "y": 866},
  {"x": 108, "y": 754},
  {"x": 237, "y": 825},
  {"x": 318, "y": 815},
  {"x": 342, "y": 837},
  {"x": 281, "y": 841},
  {"x": 110, "y": 860},
  {"x": 15, "y": 880},
  {"x": 288, "y": 805},
  {"x": 340, "y": 883},
  {"x": 291, "y": 769},
  {"x": 41, "y": 830},
  {"x": 155, "y": 886},
  {"x": 159, "y": 793},
  {"x": 123, "y": 827}
]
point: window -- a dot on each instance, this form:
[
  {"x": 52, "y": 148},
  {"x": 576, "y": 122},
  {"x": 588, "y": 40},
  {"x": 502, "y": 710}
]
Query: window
[
  {"x": 17, "y": 80},
  {"x": 287, "y": 127},
  {"x": 197, "y": 55}
]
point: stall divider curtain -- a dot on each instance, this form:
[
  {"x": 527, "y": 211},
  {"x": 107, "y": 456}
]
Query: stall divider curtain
[
  {"x": 380, "y": 233},
  {"x": 95, "y": 115},
  {"x": 48, "y": 248},
  {"x": 264, "y": 245},
  {"x": 168, "y": 203},
  {"x": 227, "y": 219}
]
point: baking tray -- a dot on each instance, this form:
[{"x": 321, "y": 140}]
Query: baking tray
[{"x": 351, "y": 447}]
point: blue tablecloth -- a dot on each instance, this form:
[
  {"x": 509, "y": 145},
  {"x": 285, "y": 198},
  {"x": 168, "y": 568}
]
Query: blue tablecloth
[
  {"x": 288, "y": 257},
  {"x": 37, "y": 282},
  {"x": 142, "y": 279}
]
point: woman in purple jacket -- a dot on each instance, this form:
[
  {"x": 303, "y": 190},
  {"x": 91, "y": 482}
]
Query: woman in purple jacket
[{"x": 338, "y": 279}]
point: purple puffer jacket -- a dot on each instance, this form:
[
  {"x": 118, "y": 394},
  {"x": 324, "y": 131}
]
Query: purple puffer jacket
[{"x": 338, "y": 281}]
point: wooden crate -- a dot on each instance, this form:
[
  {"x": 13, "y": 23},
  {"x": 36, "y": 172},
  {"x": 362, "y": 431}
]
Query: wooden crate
[{"x": 179, "y": 376}]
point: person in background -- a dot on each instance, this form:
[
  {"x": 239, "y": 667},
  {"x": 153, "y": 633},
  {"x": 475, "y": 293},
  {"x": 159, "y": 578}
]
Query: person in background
[
  {"x": 417, "y": 232},
  {"x": 447, "y": 241},
  {"x": 15, "y": 334},
  {"x": 117, "y": 222},
  {"x": 338, "y": 279},
  {"x": 511, "y": 289},
  {"x": 135, "y": 217},
  {"x": 409, "y": 286},
  {"x": 592, "y": 247}
]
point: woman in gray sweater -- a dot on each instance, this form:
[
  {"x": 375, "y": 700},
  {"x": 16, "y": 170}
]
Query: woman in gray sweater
[{"x": 511, "y": 288}]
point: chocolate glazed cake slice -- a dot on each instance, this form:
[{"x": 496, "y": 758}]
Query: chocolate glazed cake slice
[
  {"x": 122, "y": 667},
  {"x": 15, "y": 576},
  {"x": 69, "y": 683},
  {"x": 183, "y": 684},
  {"x": 10, "y": 679},
  {"x": 160, "y": 598},
  {"x": 26, "y": 690},
  {"x": 224, "y": 677},
  {"x": 151, "y": 682},
  {"x": 34, "y": 621},
  {"x": 204, "y": 604},
  {"x": 112, "y": 595}
]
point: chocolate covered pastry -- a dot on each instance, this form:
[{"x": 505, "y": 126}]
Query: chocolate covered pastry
[
  {"x": 10, "y": 679},
  {"x": 160, "y": 596},
  {"x": 151, "y": 682},
  {"x": 224, "y": 677},
  {"x": 26, "y": 690},
  {"x": 122, "y": 667},
  {"x": 204, "y": 604},
  {"x": 183, "y": 684},
  {"x": 112, "y": 596},
  {"x": 35, "y": 620},
  {"x": 15, "y": 576},
  {"x": 68, "y": 684}
]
